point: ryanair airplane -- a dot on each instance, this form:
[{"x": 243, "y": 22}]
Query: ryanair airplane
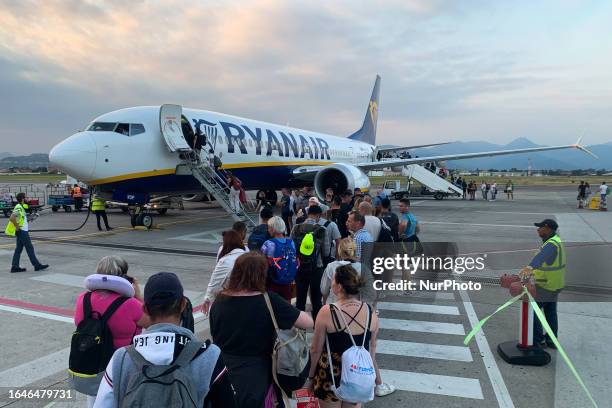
[{"x": 140, "y": 150}]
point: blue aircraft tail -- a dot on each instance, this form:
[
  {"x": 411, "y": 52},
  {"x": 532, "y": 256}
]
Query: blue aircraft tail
[{"x": 367, "y": 132}]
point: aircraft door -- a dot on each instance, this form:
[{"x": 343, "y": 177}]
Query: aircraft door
[{"x": 170, "y": 127}]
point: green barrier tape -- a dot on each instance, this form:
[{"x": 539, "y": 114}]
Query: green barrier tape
[
  {"x": 549, "y": 331},
  {"x": 481, "y": 323}
]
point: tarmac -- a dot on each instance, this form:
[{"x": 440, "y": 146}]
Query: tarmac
[{"x": 420, "y": 346}]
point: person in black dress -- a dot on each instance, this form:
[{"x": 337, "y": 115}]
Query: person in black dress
[{"x": 240, "y": 324}]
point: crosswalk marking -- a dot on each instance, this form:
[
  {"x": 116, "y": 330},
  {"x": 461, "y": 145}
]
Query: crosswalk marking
[
  {"x": 77, "y": 281},
  {"x": 424, "y": 350},
  {"x": 422, "y": 326},
  {"x": 419, "y": 308},
  {"x": 434, "y": 384}
]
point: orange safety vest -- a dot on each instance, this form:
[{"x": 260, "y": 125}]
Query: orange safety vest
[{"x": 76, "y": 192}]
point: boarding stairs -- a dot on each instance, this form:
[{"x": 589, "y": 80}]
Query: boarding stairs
[
  {"x": 194, "y": 162},
  {"x": 431, "y": 180},
  {"x": 217, "y": 186}
]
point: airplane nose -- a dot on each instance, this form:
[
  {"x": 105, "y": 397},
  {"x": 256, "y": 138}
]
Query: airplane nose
[{"x": 75, "y": 156}]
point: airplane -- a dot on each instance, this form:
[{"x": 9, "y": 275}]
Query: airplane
[{"x": 141, "y": 152}]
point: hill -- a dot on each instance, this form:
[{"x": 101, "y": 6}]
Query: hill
[{"x": 569, "y": 159}]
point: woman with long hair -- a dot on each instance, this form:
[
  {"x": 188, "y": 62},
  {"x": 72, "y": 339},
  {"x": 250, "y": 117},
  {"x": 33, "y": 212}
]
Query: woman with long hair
[
  {"x": 332, "y": 325},
  {"x": 241, "y": 325},
  {"x": 231, "y": 249}
]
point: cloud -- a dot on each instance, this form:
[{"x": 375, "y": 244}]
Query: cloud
[{"x": 447, "y": 66}]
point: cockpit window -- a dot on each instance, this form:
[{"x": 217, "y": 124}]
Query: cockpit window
[
  {"x": 123, "y": 128},
  {"x": 136, "y": 129},
  {"x": 102, "y": 126}
]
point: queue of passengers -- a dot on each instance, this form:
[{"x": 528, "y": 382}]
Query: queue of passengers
[{"x": 148, "y": 343}]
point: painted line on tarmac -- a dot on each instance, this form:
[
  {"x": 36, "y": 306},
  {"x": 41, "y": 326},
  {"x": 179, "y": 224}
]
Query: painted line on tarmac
[
  {"x": 470, "y": 224},
  {"x": 35, "y": 370},
  {"x": 66, "y": 279},
  {"x": 422, "y": 326},
  {"x": 136, "y": 248},
  {"x": 34, "y": 313},
  {"x": 424, "y": 350},
  {"x": 214, "y": 236},
  {"x": 35, "y": 307},
  {"x": 497, "y": 381},
  {"x": 418, "y": 308},
  {"x": 434, "y": 384}
]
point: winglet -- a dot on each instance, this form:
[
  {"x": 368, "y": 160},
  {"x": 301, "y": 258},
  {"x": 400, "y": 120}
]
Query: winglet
[{"x": 578, "y": 146}]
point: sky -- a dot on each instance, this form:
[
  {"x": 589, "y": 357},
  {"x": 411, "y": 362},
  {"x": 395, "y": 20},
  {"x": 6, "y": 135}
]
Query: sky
[{"x": 451, "y": 70}]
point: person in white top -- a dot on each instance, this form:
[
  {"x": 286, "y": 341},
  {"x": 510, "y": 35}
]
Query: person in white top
[
  {"x": 232, "y": 248},
  {"x": 372, "y": 223},
  {"x": 603, "y": 192}
]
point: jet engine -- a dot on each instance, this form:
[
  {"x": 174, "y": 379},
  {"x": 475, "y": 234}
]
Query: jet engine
[
  {"x": 195, "y": 197},
  {"x": 340, "y": 177}
]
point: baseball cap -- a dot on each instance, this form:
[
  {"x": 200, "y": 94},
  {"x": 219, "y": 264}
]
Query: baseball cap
[
  {"x": 347, "y": 193},
  {"x": 552, "y": 224},
  {"x": 163, "y": 288}
]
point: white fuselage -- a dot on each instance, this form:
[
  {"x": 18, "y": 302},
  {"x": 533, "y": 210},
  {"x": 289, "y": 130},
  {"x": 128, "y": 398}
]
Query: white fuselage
[{"x": 133, "y": 155}]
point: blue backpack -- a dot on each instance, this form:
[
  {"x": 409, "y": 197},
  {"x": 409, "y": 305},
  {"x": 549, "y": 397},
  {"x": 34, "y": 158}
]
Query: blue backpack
[
  {"x": 258, "y": 237},
  {"x": 284, "y": 265}
]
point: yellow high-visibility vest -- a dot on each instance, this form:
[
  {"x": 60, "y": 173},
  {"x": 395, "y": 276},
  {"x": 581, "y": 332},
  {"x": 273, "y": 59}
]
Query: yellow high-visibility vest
[
  {"x": 552, "y": 276},
  {"x": 21, "y": 214},
  {"x": 98, "y": 204}
]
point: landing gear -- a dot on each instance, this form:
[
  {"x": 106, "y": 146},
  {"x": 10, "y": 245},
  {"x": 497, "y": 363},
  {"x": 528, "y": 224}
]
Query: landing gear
[{"x": 139, "y": 218}]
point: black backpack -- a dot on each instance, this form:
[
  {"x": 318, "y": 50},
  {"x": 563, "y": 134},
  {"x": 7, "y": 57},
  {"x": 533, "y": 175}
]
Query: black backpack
[
  {"x": 385, "y": 235},
  {"x": 308, "y": 263},
  {"x": 392, "y": 222},
  {"x": 91, "y": 347}
]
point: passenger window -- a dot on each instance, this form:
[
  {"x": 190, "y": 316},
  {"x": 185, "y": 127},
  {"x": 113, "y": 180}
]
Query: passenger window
[
  {"x": 123, "y": 128},
  {"x": 136, "y": 129}
]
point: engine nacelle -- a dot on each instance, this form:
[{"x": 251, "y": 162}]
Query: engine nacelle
[
  {"x": 340, "y": 177},
  {"x": 195, "y": 197}
]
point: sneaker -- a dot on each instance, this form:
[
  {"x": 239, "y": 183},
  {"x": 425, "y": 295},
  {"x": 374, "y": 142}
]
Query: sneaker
[
  {"x": 41, "y": 267},
  {"x": 550, "y": 344},
  {"x": 18, "y": 269},
  {"x": 108, "y": 229},
  {"x": 540, "y": 344},
  {"x": 384, "y": 389}
]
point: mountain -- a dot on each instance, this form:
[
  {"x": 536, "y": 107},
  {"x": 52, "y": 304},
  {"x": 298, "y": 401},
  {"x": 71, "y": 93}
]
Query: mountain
[
  {"x": 32, "y": 161},
  {"x": 5, "y": 154},
  {"x": 568, "y": 159}
]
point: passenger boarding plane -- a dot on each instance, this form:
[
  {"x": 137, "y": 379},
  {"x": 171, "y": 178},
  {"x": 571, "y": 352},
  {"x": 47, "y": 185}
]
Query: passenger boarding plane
[{"x": 143, "y": 150}]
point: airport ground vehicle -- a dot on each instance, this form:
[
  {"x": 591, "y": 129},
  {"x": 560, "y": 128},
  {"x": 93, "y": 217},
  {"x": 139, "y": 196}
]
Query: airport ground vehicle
[
  {"x": 411, "y": 189},
  {"x": 58, "y": 196}
]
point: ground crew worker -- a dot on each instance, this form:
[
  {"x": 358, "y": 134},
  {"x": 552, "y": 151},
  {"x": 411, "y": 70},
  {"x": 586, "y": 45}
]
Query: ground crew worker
[
  {"x": 18, "y": 227},
  {"x": 77, "y": 196},
  {"x": 548, "y": 269},
  {"x": 98, "y": 206}
]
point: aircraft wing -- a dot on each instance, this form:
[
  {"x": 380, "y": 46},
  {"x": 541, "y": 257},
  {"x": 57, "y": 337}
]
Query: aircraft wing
[
  {"x": 401, "y": 148},
  {"x": 404, "y": 162}
]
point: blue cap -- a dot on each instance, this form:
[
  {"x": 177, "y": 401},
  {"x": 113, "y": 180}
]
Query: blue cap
[{"x": 163, "y": 288}]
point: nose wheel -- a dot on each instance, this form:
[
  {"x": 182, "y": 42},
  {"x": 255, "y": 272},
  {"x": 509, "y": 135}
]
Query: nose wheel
[{"x": 141, "y": 219}]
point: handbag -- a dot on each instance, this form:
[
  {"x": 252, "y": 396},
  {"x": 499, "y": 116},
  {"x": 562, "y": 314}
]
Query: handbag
[{"x": 290, "y": 357}]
